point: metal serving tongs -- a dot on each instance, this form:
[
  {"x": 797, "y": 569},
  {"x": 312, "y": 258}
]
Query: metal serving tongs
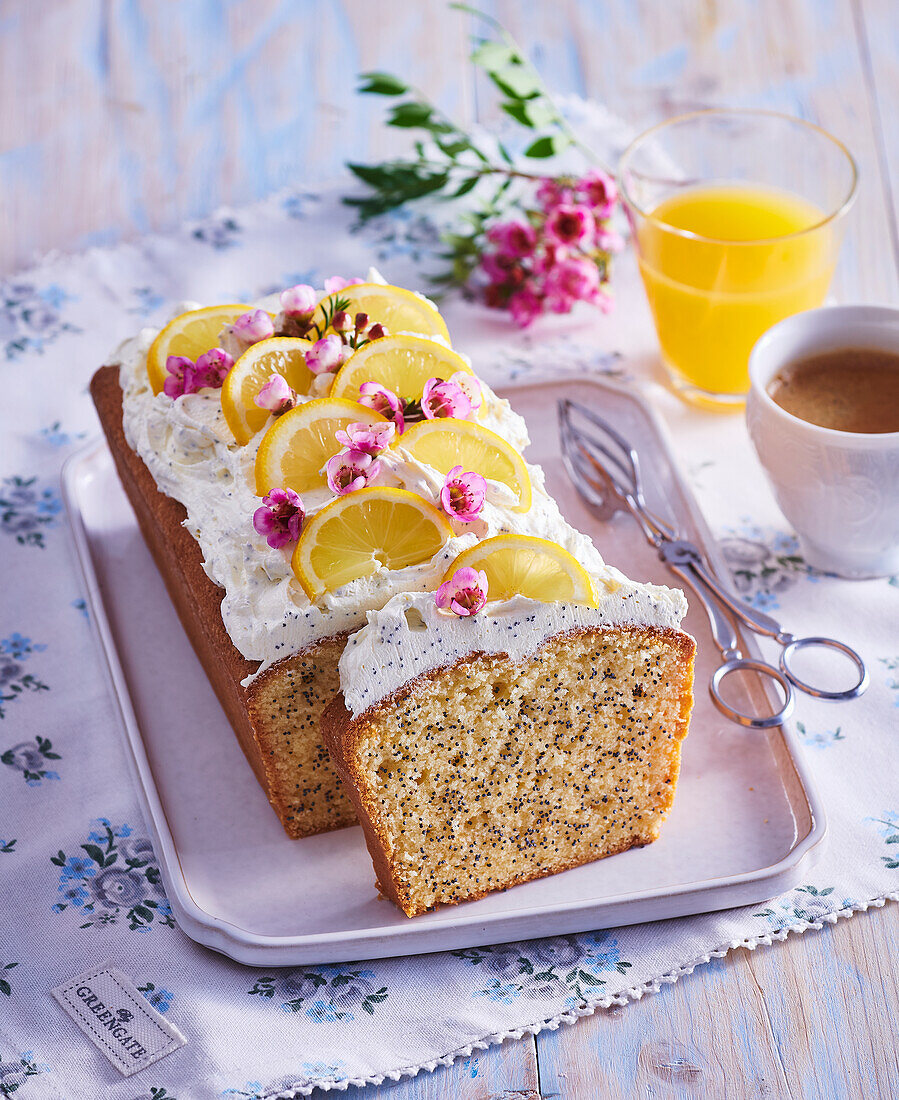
[{"x": 605, "y": 470}]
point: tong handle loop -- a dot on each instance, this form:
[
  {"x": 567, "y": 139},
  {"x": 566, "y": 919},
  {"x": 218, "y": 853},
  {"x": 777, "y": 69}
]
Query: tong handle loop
[
  {"x": 797, "y": 644},
  {"x": 752, "y": 721}
]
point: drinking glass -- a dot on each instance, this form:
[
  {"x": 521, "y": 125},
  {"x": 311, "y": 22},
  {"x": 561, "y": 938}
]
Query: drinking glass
[{"x": 737, "y": 218}]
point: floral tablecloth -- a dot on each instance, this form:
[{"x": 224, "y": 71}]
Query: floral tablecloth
[{"x": 79, "y": 884}]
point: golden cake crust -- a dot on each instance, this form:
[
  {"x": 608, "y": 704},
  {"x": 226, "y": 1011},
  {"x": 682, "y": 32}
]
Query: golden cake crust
[
  {"x": 198, "y": 602},
  {"x": 342, "y": 734}
]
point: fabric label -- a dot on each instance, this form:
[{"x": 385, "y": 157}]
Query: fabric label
[{"x": 113, "y": 1014}]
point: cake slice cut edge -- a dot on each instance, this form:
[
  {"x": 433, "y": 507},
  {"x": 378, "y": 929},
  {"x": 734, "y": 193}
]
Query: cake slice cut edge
[{"x": 491, "y": 771}]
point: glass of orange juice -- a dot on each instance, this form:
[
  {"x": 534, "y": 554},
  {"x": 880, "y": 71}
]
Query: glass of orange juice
[{"x": 737, "y": 218}]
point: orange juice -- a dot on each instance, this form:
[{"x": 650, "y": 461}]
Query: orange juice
[{"x": 748, "y": 264}]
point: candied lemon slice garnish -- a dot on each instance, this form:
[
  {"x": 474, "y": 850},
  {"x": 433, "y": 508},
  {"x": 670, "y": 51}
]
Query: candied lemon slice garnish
[
  {"x": 299, "y": 443},
  {"x": 521, "y": 565},
  {"x": 357, "y": 534},
  {"x": 402, "y": 364},
  {"x": 399, "y": 309},
  {"x": 446, "y": 443},
  {"x": 190, "y": 334},
  {"x": 283, "y": 355}
]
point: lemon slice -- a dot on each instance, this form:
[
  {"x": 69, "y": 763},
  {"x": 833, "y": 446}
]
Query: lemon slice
[
  {"x": 521, "y": 565},
  {"x": 446, "y": 443},
  {"x": 400, "y": 310},
  {"x": 400, "y": 363},
  {"x": 300, "y": 442},
  {"x": 283, "y": 355},
  {"x": 356, "y": 534},
  {"x": 190, "y": 334}
]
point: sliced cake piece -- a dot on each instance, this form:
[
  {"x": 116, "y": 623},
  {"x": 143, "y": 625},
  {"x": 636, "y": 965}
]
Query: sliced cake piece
[{"x": 484, "y": 751}]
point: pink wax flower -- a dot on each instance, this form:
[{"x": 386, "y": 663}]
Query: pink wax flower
[
  {"x": 351, "y": 469},
  {"x": 609, "y": 240},
  {"x": 370, "y": 438},
  {"x": 341, "y": 321},
  {"x": 551, "y": 194},
  {"x": 444, "y": 399},
  {"x": 599, "y": 191},
  {"x": 465, "y": 593},
  {"x": 525, "y": 306},
  {"x": 377, "y": 331},
  {"x": 573, "y": 280},
  {"x": 470, "y": 386},
  {"x": 502, "y": 269},
  {"x": 180, "y": 378},
  {"x": 515, "y": 238},
  {"x": 252, "y": 327},
  {"x": 337, "y": 282},
  {"x": 570, "y": 226},
  {"x": 280, "y": 519},
  {"x": 327, "y": 355},
  {"x": 276, "y": 395},
  {"x": 298, "y": 301},
  {"x": 375, "y": 396},
  {"x": 463, "y": 494},
  {"x": 212, "y": 368}
]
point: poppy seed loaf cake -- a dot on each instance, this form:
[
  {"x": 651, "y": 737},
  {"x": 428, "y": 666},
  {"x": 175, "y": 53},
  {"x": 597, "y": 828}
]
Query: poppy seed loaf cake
[{"x": 484, "y": 752}]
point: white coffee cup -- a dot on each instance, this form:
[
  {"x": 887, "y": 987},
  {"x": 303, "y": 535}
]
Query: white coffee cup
[{"x": 839, "y": 490}]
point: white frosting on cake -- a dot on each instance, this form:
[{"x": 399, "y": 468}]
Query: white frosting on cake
[
  {"x": 410, "y": 635},
  {"x": 189, "y": 450}
]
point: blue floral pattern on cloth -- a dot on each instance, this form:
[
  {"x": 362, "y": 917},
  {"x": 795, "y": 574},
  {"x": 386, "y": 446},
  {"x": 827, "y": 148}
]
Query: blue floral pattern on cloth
[
  {"x": 891, "y": 664},
  {"x": 30, "y": 758},
  {"x": 808, "y": 904},
  {"x": 887, "y": 826},
  {"x": 30, "y": 317},
  {"x": 27, "y": 510},
  {"x": 159, "y": 998},
  {"x": 5, "y": 986},
  {"x": 15, "y": 1071},
  {"x": 764, "y": 563},
  {"x": 324, "y": 993},
  {"x": 546, "y": 967},
  {"x": 16, "y": 682},
  {"x": 116, "y": 879},
  {"x": 819, "y": 739},
  {"x": 220, "y": 231}
]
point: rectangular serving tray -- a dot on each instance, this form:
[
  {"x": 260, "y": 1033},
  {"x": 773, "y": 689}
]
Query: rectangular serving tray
[{"x": 746, "y": 822}]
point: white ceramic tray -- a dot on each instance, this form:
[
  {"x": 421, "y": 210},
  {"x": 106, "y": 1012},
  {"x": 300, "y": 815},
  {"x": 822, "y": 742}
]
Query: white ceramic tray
[{"x": 745, "y": 824}]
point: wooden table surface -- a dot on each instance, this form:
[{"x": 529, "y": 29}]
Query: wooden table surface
[{"x": 119, "y": 116}]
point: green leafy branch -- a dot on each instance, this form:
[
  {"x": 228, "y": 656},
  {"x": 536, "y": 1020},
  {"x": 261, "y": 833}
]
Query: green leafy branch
[{"x": 448, "y": 162}]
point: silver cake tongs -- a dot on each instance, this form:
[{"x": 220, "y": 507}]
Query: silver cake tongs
[{"x": 605, "y": 470}]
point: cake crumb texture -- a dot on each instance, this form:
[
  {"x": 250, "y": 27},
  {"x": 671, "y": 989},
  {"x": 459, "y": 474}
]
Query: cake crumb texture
[{"x": 489, "y": 772}]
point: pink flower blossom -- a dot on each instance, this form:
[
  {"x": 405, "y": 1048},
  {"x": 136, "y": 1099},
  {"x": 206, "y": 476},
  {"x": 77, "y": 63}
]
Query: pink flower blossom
[
  {"x": 377, "y": 331},
  {"x": 276, "y": 395},
  {"x": 212, "y": 368},
  {"x": 570, "y": 226},
  {"x": 327, "y": 355},
  {"x": 298, "y": 301},
  {"x": 525, "y": 306},
  {"x": 185, "y": 376},
  {"x": 444, "y": 399},
  {"x": 180, "y": 378},
  {"x": 551, "y": 194},
  {"x": 502, "y": 269},
  {"x": 465, "y": 593},
  {"x": 370, "y": 438},
  {"x": 337, "y": 282},
  {"x": 351, "y": 469},
  {"x": 470, "y": 386},
  {"x": 375, "y": 396},
  {"x": 599, "y": 191},
  {"x": 252, "y": 327},
  {"x": 514, "y": 239},
  {"x": 573, "y": 280},
  {"x": 463, "y": 494},
  {"x": 609, "y": 240},
  {"x": 280, "y": 519}
]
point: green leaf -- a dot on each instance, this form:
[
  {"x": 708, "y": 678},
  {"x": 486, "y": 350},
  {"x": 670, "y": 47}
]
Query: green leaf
[
  {"x": 467, "y": 185},
  {"x": 382, "y": 84},
  {"x": 409, "y": 114},
  {"x": 5, "y": 987},
  {"x": 493, "y": 55},
  {"x": 9, "y": 966},
  {"x": 59, "y": 859},
  {"x": 530, "y": 112},
  {"x": 368, "y": 1008},
  {"x": 548, "y": 146},
  {"x": 517, "y": 82}
]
